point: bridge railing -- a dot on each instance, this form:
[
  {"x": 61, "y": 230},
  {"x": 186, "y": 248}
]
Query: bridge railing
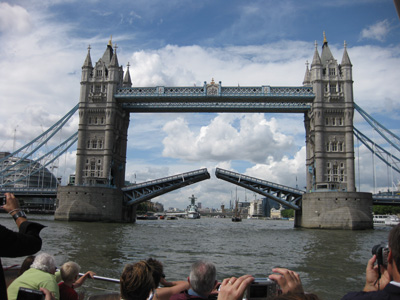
[
  {"x": 165, "y": 179},
  {"x": 231, "y": 91},
  {"x": 254, "y": 179}
]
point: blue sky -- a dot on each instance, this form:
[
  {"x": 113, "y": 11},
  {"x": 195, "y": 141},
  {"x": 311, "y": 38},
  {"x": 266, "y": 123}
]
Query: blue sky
[{"x": 183, "y": 43}]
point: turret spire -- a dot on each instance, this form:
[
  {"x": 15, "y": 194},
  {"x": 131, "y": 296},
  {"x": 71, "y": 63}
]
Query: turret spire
[{"x": 127, "y": 82}]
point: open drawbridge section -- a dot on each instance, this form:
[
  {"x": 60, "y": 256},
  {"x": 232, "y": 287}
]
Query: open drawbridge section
[
  {"x": 141, "y": 192},
  {"x": 285, "y": 195}
]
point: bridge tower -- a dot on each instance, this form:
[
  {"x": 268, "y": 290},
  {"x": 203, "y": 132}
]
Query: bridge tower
[
  {"x": 102, "y": 141},
  {"x": 330, "y": 165}
]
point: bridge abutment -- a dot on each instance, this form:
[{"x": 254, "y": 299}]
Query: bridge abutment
[
  {"x": 92, "y": 204},
  {"x": 335, "y": 210}
]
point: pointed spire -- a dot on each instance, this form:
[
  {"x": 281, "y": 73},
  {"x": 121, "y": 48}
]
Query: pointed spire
[
  {"x": 345, "y": 59},
  {"x": 325, "y": 40},
  {"x": 127, "y": 82},
  {"x": 88, "y": 60},
  {"x": 326, "y": 54},
  {"x": 316, "y": 59},
  {"x": 307, "y": 76},
  {"x": 114, "y": 59}
]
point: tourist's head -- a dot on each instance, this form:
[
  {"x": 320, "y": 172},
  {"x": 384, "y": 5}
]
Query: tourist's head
[
  {"x": 44, "y": 262},
  {"x": 394, "y": 245},
  {"x": 69, "y": 271},
  {"x": 136, "y": 281},
  {"x": 202, "y": 277},
  {"x": 158, "y": 270}
]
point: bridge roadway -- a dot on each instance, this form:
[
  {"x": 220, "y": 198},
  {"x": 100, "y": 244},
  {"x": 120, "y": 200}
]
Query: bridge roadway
[{"x": 144, "y": 191}]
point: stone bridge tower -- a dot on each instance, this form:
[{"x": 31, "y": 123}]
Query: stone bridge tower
[
  {"x": 101, "y": 150},
  {"x": 329, "y": 124},
  {"x": 331, "y": 200},
  {"x": 103, "y": 125}
]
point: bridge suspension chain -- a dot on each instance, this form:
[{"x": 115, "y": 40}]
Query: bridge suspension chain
[
  {"x": 18, "y": 161},
  {"x": 395, "y": 161},
  {"x": 389, "y": 136}
]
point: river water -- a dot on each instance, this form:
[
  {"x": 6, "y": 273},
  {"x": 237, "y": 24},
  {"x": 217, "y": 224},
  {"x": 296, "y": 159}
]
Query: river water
[{"x": 330, "y": 262}]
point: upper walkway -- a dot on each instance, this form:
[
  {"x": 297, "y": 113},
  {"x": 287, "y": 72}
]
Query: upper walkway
[{"x": 216, "y": 98}]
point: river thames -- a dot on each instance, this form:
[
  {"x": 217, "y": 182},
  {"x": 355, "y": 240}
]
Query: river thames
[{"x": 330, "y": 262}]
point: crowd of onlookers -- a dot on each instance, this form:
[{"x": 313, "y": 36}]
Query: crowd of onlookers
[{"x": 145, "y": 280}]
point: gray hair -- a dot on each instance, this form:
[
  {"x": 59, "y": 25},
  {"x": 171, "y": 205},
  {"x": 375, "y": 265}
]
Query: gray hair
[
  {"x": 44, "y": 262},
  {"x": 202, "y": 277}
]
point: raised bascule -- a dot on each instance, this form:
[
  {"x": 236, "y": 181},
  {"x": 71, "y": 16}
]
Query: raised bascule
[{"x": 326, "y": 99}]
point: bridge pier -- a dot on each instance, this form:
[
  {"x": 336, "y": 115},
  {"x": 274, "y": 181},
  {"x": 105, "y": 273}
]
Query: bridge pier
[
  {"x": 92, "y": 204},
  {"x": 335, "y": 210}
]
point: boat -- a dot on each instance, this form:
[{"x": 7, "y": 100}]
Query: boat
[
  {"x": 192, "y": 210},
  {"x": 236, "y": 213},
  {"x": 386, "y": 220}
]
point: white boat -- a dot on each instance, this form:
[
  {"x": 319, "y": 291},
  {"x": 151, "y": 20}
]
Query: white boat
[
  {"x": 192, "y": 210},
  {"x": 386, "y": 220}
]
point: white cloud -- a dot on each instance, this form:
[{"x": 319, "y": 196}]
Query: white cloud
[
  {"x": 14, "y": 19},
  {"x": 377, "y": 31},
  {"x": 253, "y": 139}
]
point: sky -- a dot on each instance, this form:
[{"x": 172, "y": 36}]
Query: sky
[{"x": 184, "y": 43}]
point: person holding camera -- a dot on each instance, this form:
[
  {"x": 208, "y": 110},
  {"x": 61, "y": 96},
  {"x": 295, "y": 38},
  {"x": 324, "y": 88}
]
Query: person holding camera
[
  {"x": 289, "y": 282},
  {"x": 14, "y": 244},
  {"x": 382, "y": 279}
]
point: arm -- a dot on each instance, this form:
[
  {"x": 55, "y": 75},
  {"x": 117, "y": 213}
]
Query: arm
[
  {"x": 48, "y": 294},
  {"x": 288, "y": 280},
  {"x": 372, "y": 274},
  {"x": 81, "y": 280},
  {"x": 25, "y": 242},
  {"x": 234, "y": 288},
  {"x": 175, "y": 287}
]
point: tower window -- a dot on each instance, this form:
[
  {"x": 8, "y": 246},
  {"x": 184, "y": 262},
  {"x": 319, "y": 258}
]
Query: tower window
[{"x": 332, "y": 71}]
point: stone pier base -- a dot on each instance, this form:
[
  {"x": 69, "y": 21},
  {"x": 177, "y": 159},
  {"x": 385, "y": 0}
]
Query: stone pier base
[
  {"x": 335, "y": 210},
  {"x": 92, "y": 204}
]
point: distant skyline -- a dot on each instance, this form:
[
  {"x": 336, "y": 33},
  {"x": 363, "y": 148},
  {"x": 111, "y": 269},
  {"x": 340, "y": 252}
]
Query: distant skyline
[{"x": 184, "y": 43}]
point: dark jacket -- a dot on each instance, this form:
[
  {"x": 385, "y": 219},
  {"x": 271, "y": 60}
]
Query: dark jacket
[
  {"x": 390, "y": 292},
  {"x": 14, "y": 244}
]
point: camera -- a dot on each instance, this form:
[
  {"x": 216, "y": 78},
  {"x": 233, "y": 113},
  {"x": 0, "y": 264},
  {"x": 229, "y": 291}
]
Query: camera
[
  {"x": 381, "y": 251},
  {"x": 29, "y": 294},
  {"x": 261, "y": 289}
]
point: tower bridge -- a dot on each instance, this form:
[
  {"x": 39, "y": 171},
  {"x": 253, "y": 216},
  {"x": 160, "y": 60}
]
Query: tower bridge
[{"x": 325, "y": 98}]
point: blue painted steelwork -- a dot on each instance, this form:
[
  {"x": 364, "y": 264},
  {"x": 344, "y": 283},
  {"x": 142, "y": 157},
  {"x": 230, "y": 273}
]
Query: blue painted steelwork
[
  {"x": 215, "y": 98},
  {"x": 283, "y": 194},
  {"x": 386, "y": 200},
  {"x": 263, "y": 91},
  {"x": 389, "y": 136},
  {"x": 30, "y": 191},
  {"x": 369, "y": 144},
  {"x": 63, "y": 147},
  {"x": 237, "y": 107},
  {"x": 141, "y": 192}
]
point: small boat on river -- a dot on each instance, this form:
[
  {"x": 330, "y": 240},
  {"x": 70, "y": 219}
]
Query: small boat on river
[{"x": 236, "y": 217}]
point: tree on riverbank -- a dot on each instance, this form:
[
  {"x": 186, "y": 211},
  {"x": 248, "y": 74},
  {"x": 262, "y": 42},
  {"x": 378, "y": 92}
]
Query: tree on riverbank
[{"x": 386, "y": 210}]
